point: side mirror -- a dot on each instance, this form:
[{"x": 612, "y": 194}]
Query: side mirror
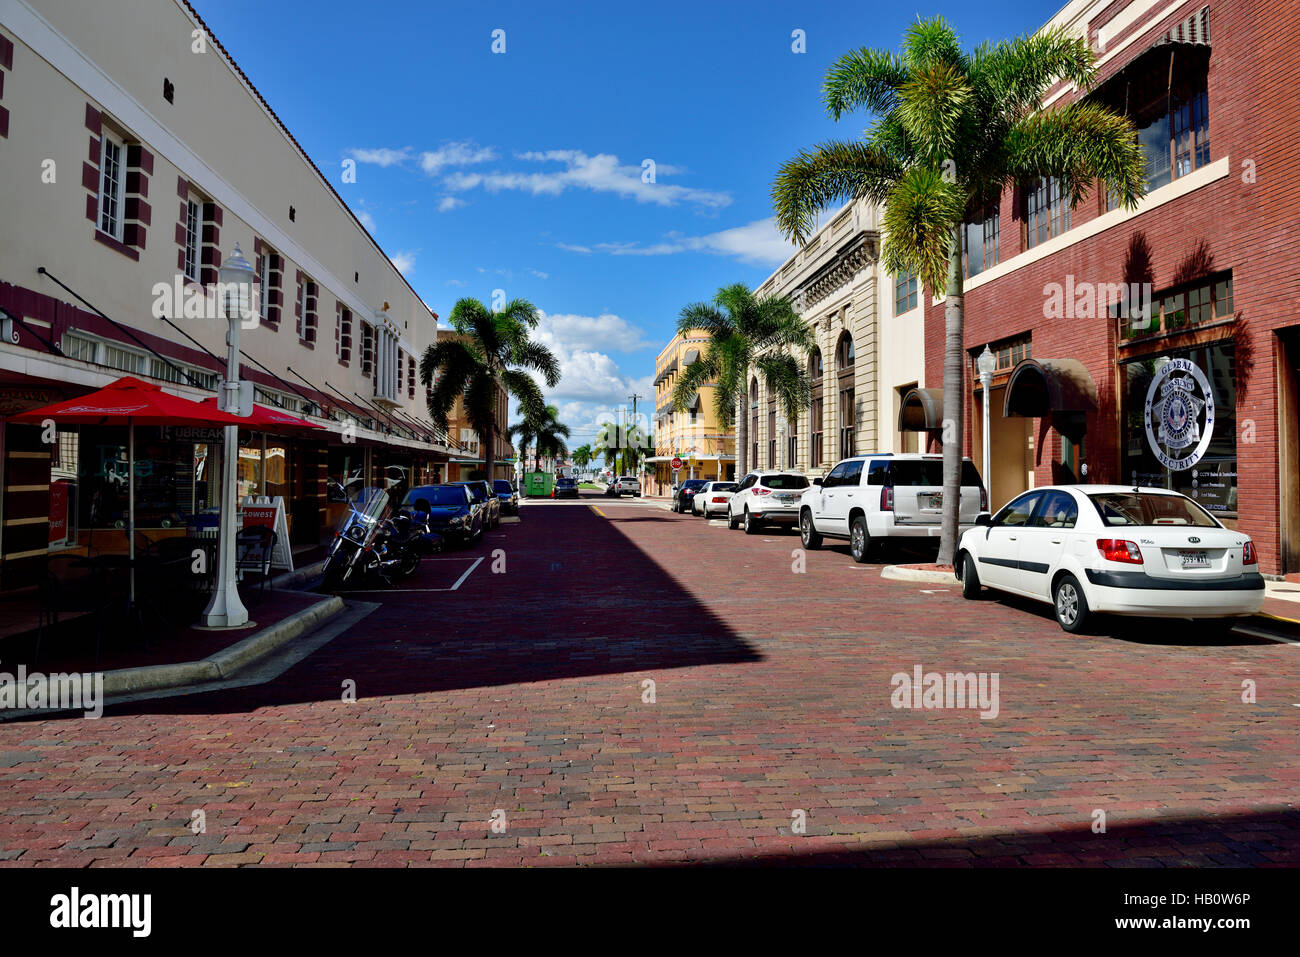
[
  {"x": 984, "y": 518},
  {"x": 817, "y": 481}
]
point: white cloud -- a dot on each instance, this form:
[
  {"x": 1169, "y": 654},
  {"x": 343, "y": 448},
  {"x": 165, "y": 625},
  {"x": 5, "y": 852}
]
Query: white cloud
[
  {"x": 455, "y": 154},
  {"x": 404, "y": 261},
  {"x": 585, "y": 250},
  {"x": 567, "y": 333},
  {"x": 458, "y": 283},
  {"x": 382, "y": 156},
  {"x": 539, "y": 274},
  {"x": 601, "y": 173},
  {"x": 448, "y": 203},
  {"x": 367, "y": 220},
  {"x": 759, "y": 242}
]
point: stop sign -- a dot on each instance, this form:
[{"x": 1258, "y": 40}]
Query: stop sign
[{"x": 677, "y": 464}]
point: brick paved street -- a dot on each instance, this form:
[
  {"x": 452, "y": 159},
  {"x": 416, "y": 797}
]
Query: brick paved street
[{"x": 520, "y": 694}]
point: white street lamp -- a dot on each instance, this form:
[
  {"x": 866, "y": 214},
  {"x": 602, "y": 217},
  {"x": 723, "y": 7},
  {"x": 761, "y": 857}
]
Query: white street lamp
[
  {"x": 987, "y": 364},
  {"x": 235, "y": 287}
]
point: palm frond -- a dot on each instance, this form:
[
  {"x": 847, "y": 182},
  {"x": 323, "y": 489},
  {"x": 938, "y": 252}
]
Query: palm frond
[
  {"x": 1079, "y": 144},
  {"x": 827, "y": 175},
  {"x": 919, "y": 221},
  {"x": 864, "y": 80}
]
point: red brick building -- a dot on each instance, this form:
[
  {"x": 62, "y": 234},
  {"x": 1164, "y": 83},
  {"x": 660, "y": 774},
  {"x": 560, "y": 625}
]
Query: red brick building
[{"x": 1085, "y": 389}]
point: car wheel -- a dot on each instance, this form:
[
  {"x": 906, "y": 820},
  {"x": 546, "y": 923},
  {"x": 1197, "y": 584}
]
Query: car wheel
[
  {"x": 751, "y": 524},
  {"x": 970, "y": 578},
  {"x": 807, "y": 533},
  {"x": 1070, "y": 604},
  {"x": 859, "y": 540},
  {"x": 733, "y": 523}
]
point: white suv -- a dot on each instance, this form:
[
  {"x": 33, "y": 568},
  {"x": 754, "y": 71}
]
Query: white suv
[
  {"x": 869, "y": 498},
  {"x": 763, "y": 498}
]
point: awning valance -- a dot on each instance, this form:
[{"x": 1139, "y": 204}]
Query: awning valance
[{"x": 921, "y": 411}]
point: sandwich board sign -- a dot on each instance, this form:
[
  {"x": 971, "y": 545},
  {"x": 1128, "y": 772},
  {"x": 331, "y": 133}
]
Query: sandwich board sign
[{"x": 261, "y": 510}]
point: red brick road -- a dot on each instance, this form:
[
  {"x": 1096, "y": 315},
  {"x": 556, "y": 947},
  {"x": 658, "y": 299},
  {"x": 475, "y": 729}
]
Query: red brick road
[{"x": 521, "y": 695}]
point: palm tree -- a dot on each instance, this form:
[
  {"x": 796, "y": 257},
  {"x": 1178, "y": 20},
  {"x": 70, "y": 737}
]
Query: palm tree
[
  {"x": 492, "y": 348},
  {"x": 746, "y": 332},
  {"x": 526, "y": 435},
  {"x": 582, "y": 456},
  {"x": 550, "y": 434},
  {"x": 951, "y": 131}
]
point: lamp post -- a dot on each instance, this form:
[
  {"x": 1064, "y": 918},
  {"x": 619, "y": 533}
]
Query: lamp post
[
  {"x": 987, "y": 364},
  {"x": 780, "y": 445},
  {"x": 235, "y": 290}
]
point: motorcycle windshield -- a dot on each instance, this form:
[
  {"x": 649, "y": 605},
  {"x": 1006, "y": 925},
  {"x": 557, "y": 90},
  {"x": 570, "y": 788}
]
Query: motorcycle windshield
[{"x": 368, "y": 507}]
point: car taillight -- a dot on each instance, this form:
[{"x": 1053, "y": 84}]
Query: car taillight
[
  {"x": 762, "y": 491},
  {"x": 887, "y": 498},
  {"x": 984, "y": 499},
  {"x": 718, "y": 499},
  {"x": 1118, "y": 550},
  {"x": 1248, "y": 556}
]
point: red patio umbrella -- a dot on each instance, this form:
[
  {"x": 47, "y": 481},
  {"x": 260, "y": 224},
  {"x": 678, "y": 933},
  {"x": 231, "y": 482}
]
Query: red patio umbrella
[
  {"x": 130, "y": 401},
  {"x": 267, "y": 419}
]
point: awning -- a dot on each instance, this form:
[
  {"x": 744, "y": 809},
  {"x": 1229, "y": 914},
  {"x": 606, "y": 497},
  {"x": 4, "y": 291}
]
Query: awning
[
  {"x": 922, "y": 411},
  {"x": 1187, "y": 42},
  {"x": 692, "y": 355},
  {"x": 1039, "y": 387},
  {"x": 693, "y": 404}
]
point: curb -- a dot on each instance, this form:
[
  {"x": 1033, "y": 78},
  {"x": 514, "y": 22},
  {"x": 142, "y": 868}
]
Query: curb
[
  {"x": 900, "y": 574},
  {"x": 223, "y": 663}
]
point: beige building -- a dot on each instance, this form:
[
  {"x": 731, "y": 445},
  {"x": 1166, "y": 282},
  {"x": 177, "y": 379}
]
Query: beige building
[
  {"x": 707, "y": 449},
  {"x": 869, "y": 357},
  {"x": 134, "y": 156}
]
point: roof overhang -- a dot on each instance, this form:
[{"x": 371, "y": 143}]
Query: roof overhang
[{"x": 921, "y": 411}]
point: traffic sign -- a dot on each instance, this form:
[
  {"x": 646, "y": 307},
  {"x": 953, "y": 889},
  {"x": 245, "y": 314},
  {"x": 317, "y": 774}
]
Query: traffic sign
[{"x": 677, "y": 464}]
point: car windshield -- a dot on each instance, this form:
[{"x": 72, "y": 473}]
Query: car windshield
[
  {"x": 476, "y": 490},
  {"x": 785, "y": 481},
  {"x": 436, "y": 495},
  {"x": 922, "y": 473},
  {"x": 501, "y": 485},
  {"x": 565, "y": 481},
  {"x": 1146, "y": 508}
]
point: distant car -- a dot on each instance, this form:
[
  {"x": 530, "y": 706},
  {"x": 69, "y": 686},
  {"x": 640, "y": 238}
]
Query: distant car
[
  {"x": 507, "y": 495},
  {"x": 684, "y": 493},
  {"x": 870, "y": 498},
  {"x": 712, "y": 498},
  {"x": 766, "y": 498},
  {"x": 1112, "y": 548},
  {"x": 451, "y": 509},
  {"x": 565, "y": 488},
  {"x": 485, "y": 496},
  {"x": 624, "y": 485}
]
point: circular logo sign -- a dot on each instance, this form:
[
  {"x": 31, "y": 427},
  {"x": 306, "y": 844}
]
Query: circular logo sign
[
  {"x": 677, "y": 464},
  {"x": 1179, "y": 414}
]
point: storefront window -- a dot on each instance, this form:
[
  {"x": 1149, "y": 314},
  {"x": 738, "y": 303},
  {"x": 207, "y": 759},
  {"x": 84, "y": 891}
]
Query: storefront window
[
  {"x": 172, "y": 477},
  {"x": 1179, "y": 413}
]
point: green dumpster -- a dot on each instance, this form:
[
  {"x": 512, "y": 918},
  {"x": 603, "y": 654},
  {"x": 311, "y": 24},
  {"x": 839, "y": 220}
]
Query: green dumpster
[{"x": 538, "y": 484}]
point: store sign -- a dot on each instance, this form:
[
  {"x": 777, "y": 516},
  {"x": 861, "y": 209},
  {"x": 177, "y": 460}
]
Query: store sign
[
  {"x": 270, "y": 512},
  {"x": 58, "y": 511},
  {"x": 1179, "y": 414}
]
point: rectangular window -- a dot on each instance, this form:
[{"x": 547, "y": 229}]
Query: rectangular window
[
  {"x": 192, "y": 234},
  {"x": 1172, "y": 310},
  {"x": 815, "y": 457},
  {"x": 79, "y": 347},
  {"x": 979, "y": 244},
  {"x": 307, "y": 292},
  {"x": 410, "y": 368},
  {"x": 264, "y": 279},
  {"x": 367, "y": 350},
  {"x": 771, "y": 437},
  {"x": 116, "y": 357},
  {"x": 905, "y": 292},
  {"x": 848, "y": 427},
  {"x": 1047, "y": 212},
  {"x": 111, "y": 180},
  {"x": 343, "y": 336}
]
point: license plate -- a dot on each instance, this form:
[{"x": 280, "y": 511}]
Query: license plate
[
  {"x": 788, "y": 499},
  {"x": 1195, "y": 559},
  {"x": 931, "y": 500}
]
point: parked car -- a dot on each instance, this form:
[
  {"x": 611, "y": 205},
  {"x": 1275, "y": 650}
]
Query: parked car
[
  {"x": 507, "y": 495},
  {"x": 451, "y": 510},
  {"x": 1116, "y": 549},
  {"x": 868, "y": 499},
  {"x": 485, "y": 496},
  {"x": 712, "y": 498},
  {"x": 766, "y": 498},
  {"x": 565, "y": 488},
  {"x": 624, "y": 485},
  {"x": 683, "y": 494}
]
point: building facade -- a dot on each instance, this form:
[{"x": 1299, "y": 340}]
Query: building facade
[
  {"x": 134, "y": 156},
  {"x": 705, "y": 446},
  {"x": 1159, "y": 346},
  {"x": 467, "y": 458},
  {"x": 868, "y": 359}
]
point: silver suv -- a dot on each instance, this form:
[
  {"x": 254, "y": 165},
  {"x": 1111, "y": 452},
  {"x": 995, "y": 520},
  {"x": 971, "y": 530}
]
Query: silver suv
[
  {"x": 869, "y": 498},
  {"x": 625, "y": 485}
]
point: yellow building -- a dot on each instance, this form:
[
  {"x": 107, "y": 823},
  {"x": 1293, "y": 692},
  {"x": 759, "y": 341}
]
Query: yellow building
[{"x": 706, "y": 448}]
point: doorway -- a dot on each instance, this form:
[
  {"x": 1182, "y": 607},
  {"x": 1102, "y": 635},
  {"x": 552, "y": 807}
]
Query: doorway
[{"x": 1012, "y": 448}]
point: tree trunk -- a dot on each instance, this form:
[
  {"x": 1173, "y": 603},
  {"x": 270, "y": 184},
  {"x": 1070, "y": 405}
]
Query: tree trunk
[
  {"x": 742, "y": 433},
  {"x": 954, "y": 392}
]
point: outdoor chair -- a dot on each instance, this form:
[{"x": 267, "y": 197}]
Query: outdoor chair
[
  {"x": 185, "y": 580},
  {"x": 71, "y": 587},
  {"x": 253, "y": 548}
]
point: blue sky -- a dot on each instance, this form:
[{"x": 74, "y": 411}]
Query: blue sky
[{"x": 522, "y": 170}]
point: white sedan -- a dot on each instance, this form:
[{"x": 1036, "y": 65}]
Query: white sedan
[
  {"x": 1112, "y": 549},
  {"x": 712, "y": 498}
]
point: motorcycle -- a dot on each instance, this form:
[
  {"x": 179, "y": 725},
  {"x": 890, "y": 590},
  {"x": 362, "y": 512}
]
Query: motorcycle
[{"x": 354, "y": 554}]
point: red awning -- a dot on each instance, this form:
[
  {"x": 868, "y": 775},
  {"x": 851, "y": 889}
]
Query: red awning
[
  {"x": 267, "y": 419},
  {"x": 130, "y": 401}
]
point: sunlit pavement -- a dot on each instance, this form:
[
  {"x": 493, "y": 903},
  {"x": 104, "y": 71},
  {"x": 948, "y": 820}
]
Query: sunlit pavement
[{"x": 504, "y": 717}]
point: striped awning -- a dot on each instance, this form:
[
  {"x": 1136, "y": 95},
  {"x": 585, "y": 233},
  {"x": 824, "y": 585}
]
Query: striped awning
[{"x": 1195, "y": 30}]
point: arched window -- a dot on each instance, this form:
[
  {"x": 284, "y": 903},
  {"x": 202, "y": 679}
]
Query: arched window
[
  {"x": 816, "y": 368},
  {"x": 844, "y": 352},
  {"x": 753, "y": 389},
  {"x": 816, "y": 371},
  {"x": 847, "y": 411}
]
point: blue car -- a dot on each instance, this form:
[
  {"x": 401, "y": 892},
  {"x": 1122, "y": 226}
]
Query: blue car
[{"x": 507, "y": 495}]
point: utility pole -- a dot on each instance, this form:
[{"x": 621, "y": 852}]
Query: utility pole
[{"x": 634, "y": 396}]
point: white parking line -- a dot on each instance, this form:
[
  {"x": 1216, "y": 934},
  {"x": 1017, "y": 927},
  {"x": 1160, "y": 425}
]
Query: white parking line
[{"x": 389, "y": 591}]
